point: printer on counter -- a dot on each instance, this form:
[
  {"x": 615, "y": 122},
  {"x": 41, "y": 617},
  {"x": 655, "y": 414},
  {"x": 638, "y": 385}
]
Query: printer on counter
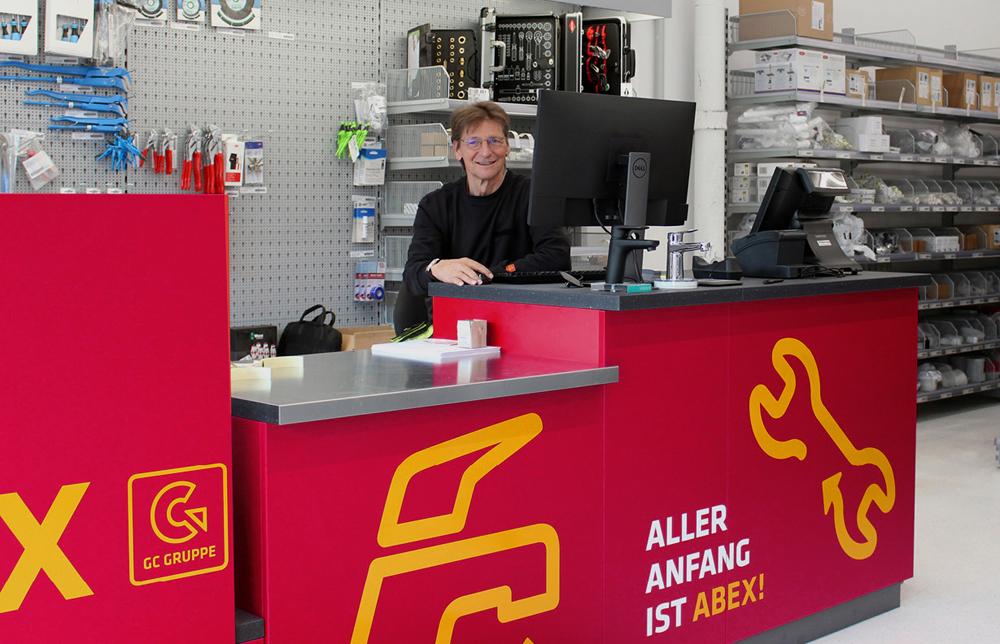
[{"x": 792, "y": 235}]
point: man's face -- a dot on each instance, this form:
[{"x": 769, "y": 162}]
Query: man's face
[{"x": 483, "y": 161}]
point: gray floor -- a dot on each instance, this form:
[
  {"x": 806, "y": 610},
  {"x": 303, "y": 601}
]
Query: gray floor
[{"x": 954, "y": 595}]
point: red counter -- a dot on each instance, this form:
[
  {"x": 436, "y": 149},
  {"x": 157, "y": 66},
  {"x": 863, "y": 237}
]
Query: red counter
[
  {"x": 753, "y": 466},
  {"x": 115, "y": 503}
]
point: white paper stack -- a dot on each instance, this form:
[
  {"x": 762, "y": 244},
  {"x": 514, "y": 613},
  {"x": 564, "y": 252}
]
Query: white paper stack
[{"x": 432, "y": 350}]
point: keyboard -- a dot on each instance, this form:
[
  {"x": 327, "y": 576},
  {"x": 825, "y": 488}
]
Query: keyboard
[{"x": 546, "y": 277}]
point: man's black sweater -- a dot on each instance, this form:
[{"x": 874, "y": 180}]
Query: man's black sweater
[{"x": 493, "y": 230}]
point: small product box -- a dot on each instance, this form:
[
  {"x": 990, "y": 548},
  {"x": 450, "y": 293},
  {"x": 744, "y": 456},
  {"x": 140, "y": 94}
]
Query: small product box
[
  {"x": 433, "y": 144},
  {"x": 775, "y": 18},
  {"x": 255, "y": 342},
  {"x": 19, "y": 22},
  {"x": 741, "y": 196},
  {"x": 69, "y": 28},
  {"x": 834, "y": 73},
  {"x": 253, "y": 163},
  {"x": 360, "y": 338},
  {"x": 233, "y": 158},
  {"x": 919, "y": 85},
  {"x": 858, "y": 83},
  {"x": 743, "y": 169},
  {"x": 864, "y": 133},
  {"x": 471, "y": 334},
  {"x": 767, "y": 169},
  {"x": 778, "y": 70},
  {"x": 740, "y": 183},
  {"x": 987, "y": 93},
  {"x": 963, "y": 90}
]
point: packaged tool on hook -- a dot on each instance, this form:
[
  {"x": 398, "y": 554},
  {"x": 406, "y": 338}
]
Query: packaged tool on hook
[
  {"x": 38, "y": 165},
  {"x": 253, "y": 166},
  {"x": 237, "y": 14},
  {"x": 233, "y": 158},
  {"x": 191, "y": 10},
  {"x": 113, "y": 18},
  {"x": 19, "y": 27}
]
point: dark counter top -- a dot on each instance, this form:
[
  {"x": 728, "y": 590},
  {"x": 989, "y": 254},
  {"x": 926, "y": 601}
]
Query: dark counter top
[
  {"x": 752, "y": 289},
  {"x": 355, "y": 383}
]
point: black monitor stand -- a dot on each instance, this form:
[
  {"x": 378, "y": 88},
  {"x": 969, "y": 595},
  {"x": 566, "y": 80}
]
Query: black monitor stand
[{"x": 627, "y": 239}]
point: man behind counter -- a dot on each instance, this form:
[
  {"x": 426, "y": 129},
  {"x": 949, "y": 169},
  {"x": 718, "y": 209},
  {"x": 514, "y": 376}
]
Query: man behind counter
[{"x": 469, "y": 228}]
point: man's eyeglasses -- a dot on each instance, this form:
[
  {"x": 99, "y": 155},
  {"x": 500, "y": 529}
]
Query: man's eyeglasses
[{"x": 474, "y": 143}]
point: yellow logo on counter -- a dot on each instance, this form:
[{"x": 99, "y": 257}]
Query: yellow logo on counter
[
  {"x": 178, "y": 523},
  {"x": 501, "y": 441},
  {"x": 41, "y": 547},
  {"x": 761, "y": 398}
]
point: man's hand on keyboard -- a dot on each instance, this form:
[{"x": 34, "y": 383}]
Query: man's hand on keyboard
[{"x": 460, "y": 271}]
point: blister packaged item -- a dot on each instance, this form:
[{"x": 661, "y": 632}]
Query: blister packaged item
[
  {"x": 191, "y": 10},
  {"x": 365, "y": 210},
  {"x": 370, "y": 106},
  {"x": 369, "y": 281},
  {"x": 253, "y": 165},
  {"x": 237, "y": 14},
  {"x": 369, "y": 169},
  {"x": 233, "y": 157},
  {"x": 112, "y": 22},
  {"x": 850, "y": 233},
  {"x": 19, "y": 27},
  {"x": 38, "y": 165},
  {"x": 69, "y": 27}
]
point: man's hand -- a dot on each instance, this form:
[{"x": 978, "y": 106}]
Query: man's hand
[{"x": 460, "y": 271}]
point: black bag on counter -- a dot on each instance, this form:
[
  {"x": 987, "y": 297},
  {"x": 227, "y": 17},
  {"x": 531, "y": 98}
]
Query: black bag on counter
[{"x": 315, "y": 335}]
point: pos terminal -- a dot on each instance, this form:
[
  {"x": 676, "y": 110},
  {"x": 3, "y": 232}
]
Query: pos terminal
[{"x": 793, "y": 234}]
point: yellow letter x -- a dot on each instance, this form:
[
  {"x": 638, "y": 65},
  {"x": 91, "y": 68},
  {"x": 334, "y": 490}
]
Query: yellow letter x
[{"x": 41, "y": 547}]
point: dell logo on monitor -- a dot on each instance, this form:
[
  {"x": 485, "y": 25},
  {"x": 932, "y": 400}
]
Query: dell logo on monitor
[{"x": 639, "y": 168}]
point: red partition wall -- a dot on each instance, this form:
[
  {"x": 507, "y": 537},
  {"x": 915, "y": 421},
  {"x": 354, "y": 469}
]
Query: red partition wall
[{"x": 115, "y": 508}]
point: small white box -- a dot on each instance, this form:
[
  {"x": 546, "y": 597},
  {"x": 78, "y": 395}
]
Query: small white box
[
  {"x": 834, "y": 73},
  {"x": 862, "y": 124},
  {"x": 743, "y": 195},
  {"x": 471, "y": 334},
  {"x": 863, "y": 142},
  {"x": 740, "y": 183},
  {"x": 20, "y": 18},
  {"x": 69, "y": 28},
  {"x": 762, "y": 184},
  {"x": 743, "y": 169}
]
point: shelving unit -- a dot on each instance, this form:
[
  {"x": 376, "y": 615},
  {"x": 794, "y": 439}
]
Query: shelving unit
[{"x": 881, "y": 51}]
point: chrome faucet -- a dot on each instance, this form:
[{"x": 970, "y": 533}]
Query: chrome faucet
[{"x": 676, "y": 247}]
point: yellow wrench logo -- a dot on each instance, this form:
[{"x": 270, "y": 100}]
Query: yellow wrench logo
[
  {"x": 500, "y": 442},
  {"x": 762, "y": 400}
]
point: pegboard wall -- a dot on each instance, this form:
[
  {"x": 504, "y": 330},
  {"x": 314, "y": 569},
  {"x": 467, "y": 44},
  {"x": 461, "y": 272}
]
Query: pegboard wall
[{"x": 289, "y": 248}]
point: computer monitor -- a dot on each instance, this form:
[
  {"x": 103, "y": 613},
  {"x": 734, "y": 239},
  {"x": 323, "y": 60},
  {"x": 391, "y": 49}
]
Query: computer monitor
[{"x": 611, "y": 161}]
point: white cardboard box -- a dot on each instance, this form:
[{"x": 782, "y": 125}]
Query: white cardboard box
[
  {"x": 743, "y": 169},
  {"x": 66, "y": 20},
  {"x": 767, "y": 169},
  {"x": 25, "y": 12},
  {"x": 799, "y": 69},
  {"x": 862, "y": 124}
]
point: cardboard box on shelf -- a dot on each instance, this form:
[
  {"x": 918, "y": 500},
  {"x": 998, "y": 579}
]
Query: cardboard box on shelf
[
  {"x": 363, "y": 337},
  {"x": 963, "y": 90},
  {"x": 743, "y": 169},
  {"x": 858, "y": 83},
  {"x": 743, "y": 195},
  {"x": 775, "y": 18},
  {"x": 915, "y": 84},
  {"x": 864, "y": 133},
  {"x": 834, "y": 73},
  {"x": 992, "y": 235},
  {"x": 740, "y": 183}
]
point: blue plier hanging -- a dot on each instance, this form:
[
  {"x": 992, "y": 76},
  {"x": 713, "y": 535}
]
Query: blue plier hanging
[
  {"x": 107, "y": 83},
  {"x": 81, "y": 98},
  {"x": 89, "y": 107},
  {"x": 70, "y": 70}
]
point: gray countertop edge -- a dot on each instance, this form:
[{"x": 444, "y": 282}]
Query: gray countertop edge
[
  {"x": 752, "y": 290},
  {"x": 380, "y": 403}
]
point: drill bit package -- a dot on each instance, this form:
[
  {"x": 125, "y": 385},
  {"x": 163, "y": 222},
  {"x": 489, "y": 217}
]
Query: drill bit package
[{"x": 114, "y": 18}]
